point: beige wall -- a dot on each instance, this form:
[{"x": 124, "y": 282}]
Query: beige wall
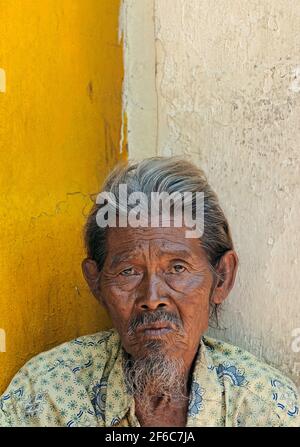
[{"x": 227, "y": 96}]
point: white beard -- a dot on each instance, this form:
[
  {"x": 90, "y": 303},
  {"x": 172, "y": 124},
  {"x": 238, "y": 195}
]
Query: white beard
[{"x": 155, "y": 376}]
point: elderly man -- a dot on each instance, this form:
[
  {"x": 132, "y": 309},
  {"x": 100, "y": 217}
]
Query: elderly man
[{"x": 160, "y": 288}]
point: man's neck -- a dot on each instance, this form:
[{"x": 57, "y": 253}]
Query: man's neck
[{"x": 162, "y": 411}]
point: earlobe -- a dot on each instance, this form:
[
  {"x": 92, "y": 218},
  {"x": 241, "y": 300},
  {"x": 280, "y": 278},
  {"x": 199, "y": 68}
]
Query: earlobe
[
  {"x": 89, "y": 269},
  {"x": 226, "y": 273}
]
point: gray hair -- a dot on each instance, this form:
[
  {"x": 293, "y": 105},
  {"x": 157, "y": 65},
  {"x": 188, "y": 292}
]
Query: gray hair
[{"x": 163, "y": 174}]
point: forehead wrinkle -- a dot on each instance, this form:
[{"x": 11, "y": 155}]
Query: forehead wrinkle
[
  {"x": 171, "y": 249},
  {"x": 178, "y": 251},
  {"x": 152, "y": 245}
]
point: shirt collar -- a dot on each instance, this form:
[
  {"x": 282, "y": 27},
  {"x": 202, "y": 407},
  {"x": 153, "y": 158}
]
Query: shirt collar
[{"x": 204, "y": 386}]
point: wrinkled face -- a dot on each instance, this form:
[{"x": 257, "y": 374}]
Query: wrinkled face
[{"x": 156, "y": 285}]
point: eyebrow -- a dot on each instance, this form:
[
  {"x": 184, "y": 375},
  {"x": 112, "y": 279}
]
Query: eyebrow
[{"x": 120, "y": 257}]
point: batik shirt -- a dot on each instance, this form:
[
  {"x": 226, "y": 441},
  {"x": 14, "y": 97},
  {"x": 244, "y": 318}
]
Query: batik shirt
[{"x": 81, "y": 383}]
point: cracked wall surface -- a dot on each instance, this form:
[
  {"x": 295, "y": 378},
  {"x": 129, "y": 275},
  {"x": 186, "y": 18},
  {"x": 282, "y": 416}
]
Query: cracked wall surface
[
  {"x": 60, "y": 120},
  {"x": 139, "y": 97},
  {"x": 228, "y": 98}
]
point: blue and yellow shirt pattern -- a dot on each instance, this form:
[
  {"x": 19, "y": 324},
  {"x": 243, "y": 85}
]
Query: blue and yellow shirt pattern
[{"x": 81, "y": 384}]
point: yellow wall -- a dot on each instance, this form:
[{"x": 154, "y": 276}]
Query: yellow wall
[{"x": 60, "y": 120}]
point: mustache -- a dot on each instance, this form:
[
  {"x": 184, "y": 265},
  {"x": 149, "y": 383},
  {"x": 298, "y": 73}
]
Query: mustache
[{"x": 154, "y": 317}]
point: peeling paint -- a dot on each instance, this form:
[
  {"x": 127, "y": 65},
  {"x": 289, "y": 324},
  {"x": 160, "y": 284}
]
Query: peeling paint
[
  {"x": 2, "y": 340},
  {"x": 59, "y": 135},
  {"x": 136, "y": 27},
  {"x": 295, "y": 84},
  {"x": 223, "y": 103},
  {"x": 2, "y": 80}
]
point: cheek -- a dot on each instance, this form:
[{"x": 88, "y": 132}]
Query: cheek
[
  {"x": 196, "y": 315},
  {"x": 119, "y": 306},
  {"x": 121, "y": 285},
  {"x": 188, "y": 283}
]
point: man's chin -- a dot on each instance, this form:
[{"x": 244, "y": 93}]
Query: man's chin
[
  {"x": 149, "y": 345},
  {"x": 154, "y": 348}
]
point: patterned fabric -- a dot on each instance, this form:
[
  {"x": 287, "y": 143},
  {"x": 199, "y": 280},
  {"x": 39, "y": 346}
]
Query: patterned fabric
[{"x": 81, "y": 383}]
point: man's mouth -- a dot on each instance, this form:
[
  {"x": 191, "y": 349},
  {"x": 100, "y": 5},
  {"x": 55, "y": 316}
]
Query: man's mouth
[{"x": 155, "y": 329}]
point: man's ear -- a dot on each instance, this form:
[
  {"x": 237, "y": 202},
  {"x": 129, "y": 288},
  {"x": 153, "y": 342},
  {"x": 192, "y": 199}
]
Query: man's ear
[
  {"x": 226, "y": 272},
  {"x": 92, "y": 276}
]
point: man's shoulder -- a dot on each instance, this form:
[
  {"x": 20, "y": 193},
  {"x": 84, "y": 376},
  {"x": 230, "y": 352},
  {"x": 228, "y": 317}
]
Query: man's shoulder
[
  {"x": 82, "y": 357},
  {"x": 54, "y": 386},
  {"x": 75, "y": 353},
  {"x": 243, "y": 371},
  {"x": 242, "y": 367}
]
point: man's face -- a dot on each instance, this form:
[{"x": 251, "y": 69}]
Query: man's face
[{"x": 156, "y": 286}]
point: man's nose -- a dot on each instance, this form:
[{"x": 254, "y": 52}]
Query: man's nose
[{"x": 152, "y": 296}]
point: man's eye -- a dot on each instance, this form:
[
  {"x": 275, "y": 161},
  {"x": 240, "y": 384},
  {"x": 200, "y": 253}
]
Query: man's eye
[
  {"x": 178, "y": 268},
  {"x": 128, "y": 272}
]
